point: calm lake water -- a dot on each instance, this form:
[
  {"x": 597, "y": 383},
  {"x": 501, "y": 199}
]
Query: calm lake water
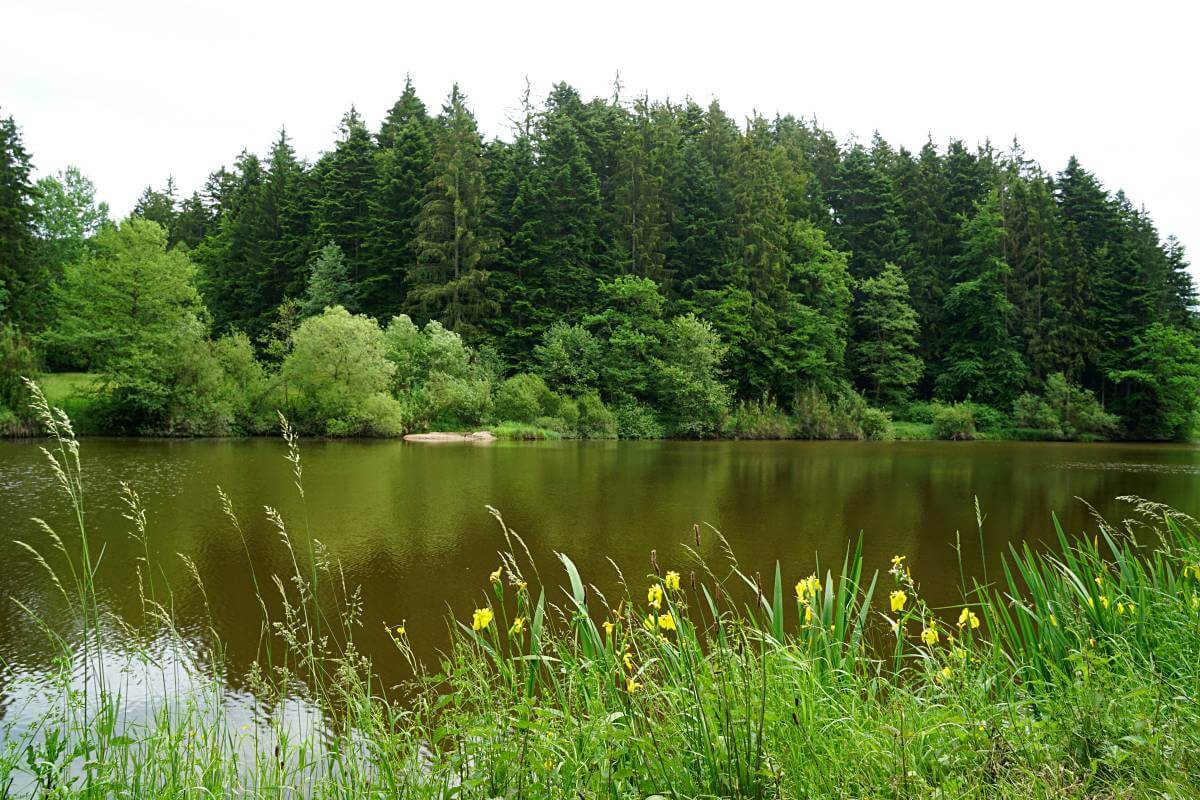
[{"x": 409, "y": 525}]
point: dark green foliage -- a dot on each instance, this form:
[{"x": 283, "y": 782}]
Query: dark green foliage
[
  {"x": 576, "y": 248},
  {"x": 20, "y": 280},
  {"x": 981, "y": 361},
  {"x": 454, "y": 244}
]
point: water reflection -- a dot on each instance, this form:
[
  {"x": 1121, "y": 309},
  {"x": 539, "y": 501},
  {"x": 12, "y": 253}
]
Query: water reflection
[{"x": 408, "y": 524}]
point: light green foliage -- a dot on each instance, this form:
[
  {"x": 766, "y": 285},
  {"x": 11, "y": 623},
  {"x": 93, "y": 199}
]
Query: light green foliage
[
  {"x": 523, "y": 398},
  {"x": 568, "y": 358},
  {"x": 760, "y": 419},
  {"x": 689, "y": 389},
  {"x": 595, "y": 420},
  {"x": 637, "y": 421},
  {"x": 955, "y": 421},
  {"x": 67, "y": 216},
  {"x": 338, "y": 361}
]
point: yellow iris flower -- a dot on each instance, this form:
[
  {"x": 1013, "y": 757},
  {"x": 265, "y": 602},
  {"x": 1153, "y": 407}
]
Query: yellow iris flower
[
  {"x": 666, "y": 622},
  {"x": 898, "y": 598},
  {"x": 654, "y": 596},
  {"x": 518, "y": 626},
  {"x": 672, "y": 581},
  {"x": 482, "y": 618},
  {"x": 930, "y": 636}
]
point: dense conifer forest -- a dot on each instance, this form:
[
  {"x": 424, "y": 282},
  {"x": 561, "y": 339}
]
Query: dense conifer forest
[{"x": 615, "y": 266}]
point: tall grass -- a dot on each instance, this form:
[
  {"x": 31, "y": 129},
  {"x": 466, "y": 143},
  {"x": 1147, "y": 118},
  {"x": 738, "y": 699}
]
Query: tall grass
[{"x": 1074, "y": 674}]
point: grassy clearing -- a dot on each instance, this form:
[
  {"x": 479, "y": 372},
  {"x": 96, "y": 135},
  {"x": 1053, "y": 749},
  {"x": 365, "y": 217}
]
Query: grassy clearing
[
  {"x": 523, "y": 431},
  {"x": 1072, "y": 675}
]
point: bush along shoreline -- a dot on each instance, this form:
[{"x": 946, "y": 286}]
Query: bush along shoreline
[
  {"x": 343, "y": 375},
  {"x": 1072, "y": 674}
]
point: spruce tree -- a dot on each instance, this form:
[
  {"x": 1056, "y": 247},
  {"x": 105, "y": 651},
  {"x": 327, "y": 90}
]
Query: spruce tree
[
  {"x": 404, "y": 162},
  {"x": 885, "y": 357},
  {"x": 347, "y": 182},
  {"x": 866, "y": 221},
  {"x": 19, "y": 281},
  {"x": 981, "y": 360},
  {"x": 454, "y": 246},
  {"x": 328, "y": 282}
]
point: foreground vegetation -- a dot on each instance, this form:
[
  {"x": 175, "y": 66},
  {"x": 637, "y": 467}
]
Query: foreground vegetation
[
  {"x": 1074, "y": 674},
  {"x": 662, "y": 269}
]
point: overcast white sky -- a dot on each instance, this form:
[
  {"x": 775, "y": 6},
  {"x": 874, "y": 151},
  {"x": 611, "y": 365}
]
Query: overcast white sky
[{"x": 133, "y": 91}]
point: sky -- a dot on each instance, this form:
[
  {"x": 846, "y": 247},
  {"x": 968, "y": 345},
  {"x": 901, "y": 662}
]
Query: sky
[{"x": 131, "y": 92}]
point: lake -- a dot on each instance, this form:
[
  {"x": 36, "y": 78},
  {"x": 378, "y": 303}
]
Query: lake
[{"x": 408, "y": 523}]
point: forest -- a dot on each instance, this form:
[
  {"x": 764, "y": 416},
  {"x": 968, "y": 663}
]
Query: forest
[{"x": 614, "y": 267}]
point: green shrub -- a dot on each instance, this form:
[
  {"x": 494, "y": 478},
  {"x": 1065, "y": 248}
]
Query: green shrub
[
  {"x": 525, "y": 432},
  {"x": 523, "y": 398},
  {"x": 988, "y": 418},
  {"x": 955, "y": 421},
  {"x": 1031, "y": 411},
  {"x": 760, "y": 419},
  {"x": 455, "y": 403},
  {"x": 916, "y": 411},
  {"x": 596, "y": 421},
  {"x": 337, "y": 359},
  {"x": 637, "y": 421},
  {"x": 877, "y": 425}
]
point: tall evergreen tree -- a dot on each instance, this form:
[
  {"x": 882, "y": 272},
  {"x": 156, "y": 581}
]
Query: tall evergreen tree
[
  {"x": 449, "y": 281},
  {"x": 981, "y": 361},
  {"x": 404, "y": 163},
  {"x": 866, "y": 221},
  {"x": 347, "y": 182},
  {"x": 886, "y": 359},
  {"x": 19, "y": 281}
]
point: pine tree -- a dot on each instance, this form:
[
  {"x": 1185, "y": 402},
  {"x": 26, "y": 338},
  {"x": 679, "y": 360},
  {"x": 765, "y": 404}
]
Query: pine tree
[
  {"x": 558, "y": 241},
  {"x": 454, "y": 247},
  {"x": 981, "y": 360},
  {"x": 866, "y": 221},
  {"x": 19, "y": 281},
  {"x": 347, "y": 181},
  {"x": 647, "y": 144},
  {"x": 158, "y": 206},
  {"x": 328, "y": 282},
  {"x": 287, "y": 203},
  {"x": 404, "y": 163},
  {"x": 886, "y": 358}
]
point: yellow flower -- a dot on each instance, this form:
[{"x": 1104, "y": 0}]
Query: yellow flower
[
  {"x": 1099, "y": 581},
  {"x": 898, "y": 599},
  {"x": 608, "y": 627},
  {"x": 807, "y": 588},
  {"x": 1121, "y": 609},
  {"x": 1195, "y": 601},
  {"x": 808, "y": 614},
  {"x": 628, "y": 660},
  {"x": 518, "y": 626},
  {"x": 649, "y": 622},
  {"x": 896, "y": 560},
  {"x": 930, "y": 636},
  {"x": 495, "y": 576},
  {"x": 631, "y": 685},
  {"x": 1195, "y": 568},
  {"x": 400, "y": 631},
  {"x": 666, "y": 622},
  {"x": 672, "y": 581},
  {"x": 1091, "y": 603},
  {"x": 947, "y": 672},
  {"x": 522, "y": 586},
  {"x": 968, "y": 617},
  {"x": 959, "y": 653},
  {"x": 482, "y": 618},
  {"x": 1104, "y": 600},
  {"x": 654, "y": 596}
]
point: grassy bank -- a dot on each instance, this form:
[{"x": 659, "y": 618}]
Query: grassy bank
[{"x": 1070, "y": 675}]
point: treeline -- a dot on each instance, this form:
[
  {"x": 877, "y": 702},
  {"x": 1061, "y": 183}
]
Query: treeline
[{"x": 689, "y": 272}]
